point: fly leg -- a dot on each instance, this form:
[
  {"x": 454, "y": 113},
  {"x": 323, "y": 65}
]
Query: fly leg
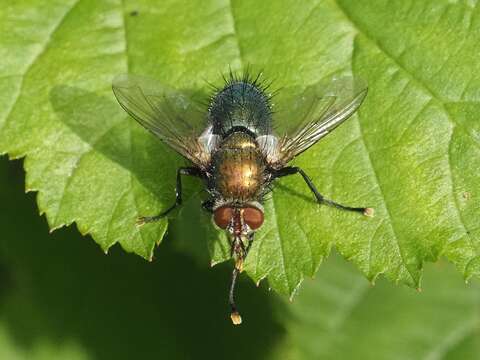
[
  {"x": 207, "y": 205},
  {"x": 250, "y": 241},
  {"x": 190, "y": 171},
  {"x": 291, "y": 170}
]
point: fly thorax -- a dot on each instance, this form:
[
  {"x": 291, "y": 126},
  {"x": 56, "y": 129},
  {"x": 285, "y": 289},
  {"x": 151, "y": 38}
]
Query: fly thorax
[
  {"x": 239, "y": 168},
  {"x": 241, "y": 104}
]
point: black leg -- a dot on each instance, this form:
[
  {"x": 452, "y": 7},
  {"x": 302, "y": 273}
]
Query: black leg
[
  {"x": 207, "y": 205},
  {"x": 190, "y": 171},
  {"x": 291, "y": 170}
]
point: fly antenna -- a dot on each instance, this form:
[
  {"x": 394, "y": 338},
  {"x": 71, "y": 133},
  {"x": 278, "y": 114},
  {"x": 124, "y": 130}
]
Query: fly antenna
[{"x": 234, "y": 315}]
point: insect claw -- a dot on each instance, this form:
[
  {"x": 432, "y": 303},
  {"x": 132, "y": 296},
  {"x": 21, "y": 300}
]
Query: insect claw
[
  {"x": 370, "y": 212},
  {"x": 140, "y": 221}
]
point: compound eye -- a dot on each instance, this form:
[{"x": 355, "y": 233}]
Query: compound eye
[
  {"x": 253, "y": 217},
  {"x": 222, "y": 216}
]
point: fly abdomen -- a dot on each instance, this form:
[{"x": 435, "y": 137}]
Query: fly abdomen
[
  {"x": 241, "y": 103},
  {"x": 239, "y": 168}
]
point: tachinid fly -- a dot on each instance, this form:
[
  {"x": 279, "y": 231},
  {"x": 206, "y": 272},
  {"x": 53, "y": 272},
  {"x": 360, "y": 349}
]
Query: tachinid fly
[{"x": 239, "y": 145}]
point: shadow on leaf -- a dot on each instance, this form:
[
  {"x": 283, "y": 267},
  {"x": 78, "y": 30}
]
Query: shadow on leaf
[{"x": 100, "y": 122}]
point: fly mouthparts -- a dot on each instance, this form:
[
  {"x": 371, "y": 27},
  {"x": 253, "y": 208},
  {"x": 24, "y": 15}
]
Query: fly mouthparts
[
  {"x": 236, "y": 318},
  {"x": 239, "y": 264}
]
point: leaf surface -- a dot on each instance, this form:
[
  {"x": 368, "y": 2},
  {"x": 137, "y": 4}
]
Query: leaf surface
[{"x": 412, "y": 152}]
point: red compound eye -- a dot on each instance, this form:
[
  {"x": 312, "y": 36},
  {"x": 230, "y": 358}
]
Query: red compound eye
[
  {"x": 253, "y": 217},
  {"x": 222, "y": 216}
]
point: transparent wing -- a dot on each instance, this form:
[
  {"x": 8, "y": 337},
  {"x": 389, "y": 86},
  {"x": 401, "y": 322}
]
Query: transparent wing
[
  {"x": 176, "y": 117},
  {"x": 312, "y": 113}
]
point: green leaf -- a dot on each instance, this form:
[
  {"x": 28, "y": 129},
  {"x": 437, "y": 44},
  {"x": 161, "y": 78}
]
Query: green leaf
[{"x": 412, "y": 152}]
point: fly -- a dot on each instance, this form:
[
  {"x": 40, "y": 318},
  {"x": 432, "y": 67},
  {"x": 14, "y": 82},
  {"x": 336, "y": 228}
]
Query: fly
[{"x": 234, "y": 147}]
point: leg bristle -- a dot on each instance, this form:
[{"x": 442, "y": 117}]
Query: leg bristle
[{"x": 140, "y": 221}]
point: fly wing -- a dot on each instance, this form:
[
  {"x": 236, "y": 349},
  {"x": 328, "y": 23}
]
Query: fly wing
[
  {"x": 173, "y": 116},
  {"x": 312, "y": 114}
]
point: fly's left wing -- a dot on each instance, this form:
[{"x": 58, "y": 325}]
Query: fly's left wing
[
  {"x": 312, "y": 114},
  {"x": 173, "y": 116}
]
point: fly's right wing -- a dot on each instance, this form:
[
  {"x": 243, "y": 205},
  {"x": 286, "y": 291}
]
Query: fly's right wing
[
  {"x": 173, "y": 116},
  {"x": 312, "y": 113}
]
